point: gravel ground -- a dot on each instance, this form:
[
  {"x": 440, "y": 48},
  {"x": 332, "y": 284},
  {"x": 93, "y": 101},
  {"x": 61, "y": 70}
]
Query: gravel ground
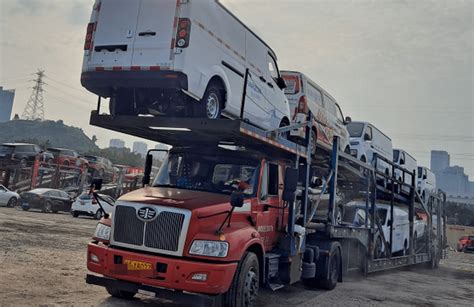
[{"x": 43, "y": 256}]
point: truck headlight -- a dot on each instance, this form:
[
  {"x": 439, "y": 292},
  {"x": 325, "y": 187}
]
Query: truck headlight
[
  {"x": 102, "y": 232},
  {"x": 209, "y": 248}
]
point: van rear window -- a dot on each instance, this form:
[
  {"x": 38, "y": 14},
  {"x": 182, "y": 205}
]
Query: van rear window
[{"x": 292, "y": 84}]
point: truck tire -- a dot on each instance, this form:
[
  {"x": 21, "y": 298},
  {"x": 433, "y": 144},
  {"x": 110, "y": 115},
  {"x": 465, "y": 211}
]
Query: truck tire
[
  {"x": 328, "y": 270},
  {"x": 210, "y": 106},
  {"x": 243, "y": 290},
  {"x": 120, "y": 293}
]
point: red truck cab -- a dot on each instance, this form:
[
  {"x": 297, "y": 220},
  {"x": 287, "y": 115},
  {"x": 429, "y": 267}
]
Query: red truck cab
[{"x": 175, "y": 233}]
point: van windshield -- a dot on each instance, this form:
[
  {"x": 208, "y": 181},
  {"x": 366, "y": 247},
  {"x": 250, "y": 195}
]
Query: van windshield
[
  {"x": 355, "y": 129},
  {"x": 209, "y": 173},
  {"x": 396, "y": 154}
]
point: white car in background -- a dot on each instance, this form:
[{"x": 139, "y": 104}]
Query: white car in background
[
  {"x": 7, "y": 197},
  {"x": 86, "y": 205}
]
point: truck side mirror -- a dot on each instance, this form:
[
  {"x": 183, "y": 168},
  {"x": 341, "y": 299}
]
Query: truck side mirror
[
  {"x": 291, "y": 183},
  {"x": 96, "y": 184},
  {"x": 281, "y": 83},
  {"x": 366, "y": 137},
  {"x": 389, "y": 223},
  {"x": 402, "y": 162},
  {"x": 425, "y": 177},
  {"x": 147, "y": 172},
  {"x": 347, "y": 120},
  {"x": 237, "y": 199}
]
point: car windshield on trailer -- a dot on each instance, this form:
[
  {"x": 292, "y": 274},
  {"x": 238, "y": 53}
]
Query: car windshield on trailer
[
  {"x": 355, "y": 129},
  {"x": 209, "y": 173}
]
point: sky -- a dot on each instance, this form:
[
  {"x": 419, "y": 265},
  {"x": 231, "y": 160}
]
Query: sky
[{"x": 405, "y": 66}]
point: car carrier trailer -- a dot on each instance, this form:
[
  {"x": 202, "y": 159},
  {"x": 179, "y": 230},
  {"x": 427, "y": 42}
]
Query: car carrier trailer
[{"x": 318, "y": 250}]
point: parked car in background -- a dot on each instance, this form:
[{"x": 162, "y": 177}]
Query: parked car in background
[
  {"x": 405, "y": 160},
  {"x": 7, "y": 197},
  {"x": 23, "y": 154},
  {"x": 366, "y": 140},
  {"x": 305, "y": 95},
  {"x": 100, "y": 167},
  {"x": 87, "y": 205},
  {"x": 469, "y": 247},
  {"x": 203, "y": 73},
  {"x": 463, "y": 242},
  {"x": 426, "y": 182},
  {"x": 67, "y": 157},
  {"x": 47, "y": 200}
]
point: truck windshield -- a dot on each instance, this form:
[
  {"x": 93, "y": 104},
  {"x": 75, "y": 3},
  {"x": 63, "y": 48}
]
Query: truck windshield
[
  {"x": 209, "y": 173},
  {"x": 355, "y": 129}
]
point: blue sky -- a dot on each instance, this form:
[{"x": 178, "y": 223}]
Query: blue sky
[{"x": 405, "y": 66}]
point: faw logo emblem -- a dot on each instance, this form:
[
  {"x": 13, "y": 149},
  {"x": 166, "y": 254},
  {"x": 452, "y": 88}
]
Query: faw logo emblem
[{"x": 146, "y": 214}]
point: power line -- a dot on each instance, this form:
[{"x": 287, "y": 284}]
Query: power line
[{"x": 66, "y": 85}]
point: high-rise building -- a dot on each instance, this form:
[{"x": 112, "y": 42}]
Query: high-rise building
[
  {"x": 439, "y": 160},
  {"x": 140, "y": 148},
  {"x": 6, "y": 104},
  {"x": 116, "y": 143}
]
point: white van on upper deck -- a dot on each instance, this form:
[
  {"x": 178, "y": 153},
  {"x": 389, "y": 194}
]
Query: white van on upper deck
[
  {"x": 181, "y": 58},
  {"x": 305, "y": 95}
]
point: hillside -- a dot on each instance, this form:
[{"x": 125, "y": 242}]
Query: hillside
[{"x": 46, "y": 133}]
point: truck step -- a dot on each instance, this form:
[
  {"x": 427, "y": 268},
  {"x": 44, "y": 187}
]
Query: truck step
[{"x": 274, "y": 286}]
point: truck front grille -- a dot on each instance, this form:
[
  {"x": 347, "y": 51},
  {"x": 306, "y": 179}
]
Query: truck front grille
[{"x": 164, "y": 234}]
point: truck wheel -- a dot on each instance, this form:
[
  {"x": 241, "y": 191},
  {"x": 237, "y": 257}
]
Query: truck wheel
[
  {"x": 327, "y": 276},
  {"x": 120, "y": 293},
  {"x": 244, "y": 288},
  {"x": 210, "y": 106}
]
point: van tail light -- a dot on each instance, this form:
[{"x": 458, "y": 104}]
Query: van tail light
[
  {"x": 302, "y": 105},
  {"x": 183, "y": 32},
  {"x": 90, "y": 32}
]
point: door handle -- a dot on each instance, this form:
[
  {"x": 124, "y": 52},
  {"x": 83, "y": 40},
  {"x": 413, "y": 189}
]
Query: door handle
[
  {"x": 262, "y": 79},
  {"x": 147, "y": 33}
]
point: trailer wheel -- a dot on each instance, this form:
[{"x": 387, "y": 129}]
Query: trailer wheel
[
  {"x": 328, "y": 270},
  {"x": 210, "y": 106},
  {"x": 120, "y": 293},
  {"x": 244, "y": 288}
]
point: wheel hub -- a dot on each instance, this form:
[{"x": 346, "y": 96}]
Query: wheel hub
[
  {"x": 251, "y": 288},
  {"x": 212, "y": 106}
]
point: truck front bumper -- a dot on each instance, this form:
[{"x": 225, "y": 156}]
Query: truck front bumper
[
  {"x": 185, "y": 298},
  {"x": 164, "y": 272}
]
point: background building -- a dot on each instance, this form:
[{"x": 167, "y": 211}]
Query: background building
[
  {"x": 116, "y": 143},
  {"x": 140, "y": 148},
  {"x": 450, "y": 179},
  {"x": 6, "y": 104}
]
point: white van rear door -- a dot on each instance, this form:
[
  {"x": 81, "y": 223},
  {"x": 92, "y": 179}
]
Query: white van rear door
[
  {"x": 155, "y": 33},
  {"x": 114, "y": 36}
]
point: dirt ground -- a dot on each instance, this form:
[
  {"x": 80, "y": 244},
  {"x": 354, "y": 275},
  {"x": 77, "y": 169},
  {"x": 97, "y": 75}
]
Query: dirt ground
[{"x": 43, "y": 256}]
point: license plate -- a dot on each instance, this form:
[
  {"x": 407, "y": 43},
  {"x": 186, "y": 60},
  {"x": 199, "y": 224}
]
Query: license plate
[
  {"x": 133, "y": 265},
  {"x": 25, "y": 204}
]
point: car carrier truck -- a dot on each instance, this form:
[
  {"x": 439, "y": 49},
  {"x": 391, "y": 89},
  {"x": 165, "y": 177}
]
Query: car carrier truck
[{"x": 233, "y": 208}]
